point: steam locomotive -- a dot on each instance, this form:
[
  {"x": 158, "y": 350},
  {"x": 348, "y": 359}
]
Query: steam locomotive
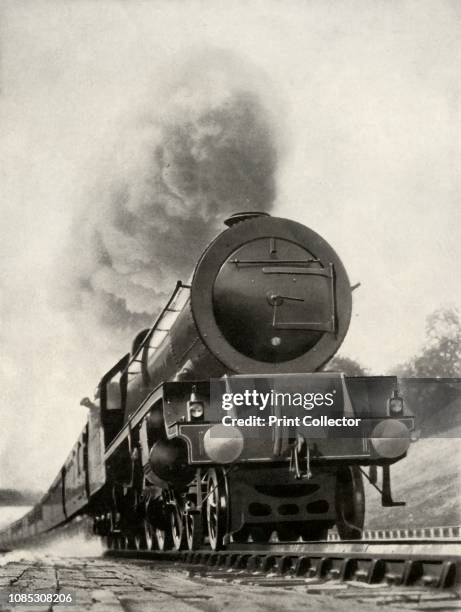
[{"x": 158, "y": 467}]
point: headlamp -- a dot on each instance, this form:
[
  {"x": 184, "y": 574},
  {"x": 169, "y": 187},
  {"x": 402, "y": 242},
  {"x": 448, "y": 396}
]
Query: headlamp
[
  {"x": 195, "y": 410},
  {"x": 195, "y": 406},
  {"x": 395, "y": 404}
]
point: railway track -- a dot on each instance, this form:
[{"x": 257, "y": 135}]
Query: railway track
[
  {"x": 417, "y": 574},
  {"x": 422, "y": 573}
]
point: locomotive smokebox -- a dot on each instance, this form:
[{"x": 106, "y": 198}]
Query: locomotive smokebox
[
  {"x": 243, "y": 216},
  {"x": 270, "y": 295}
]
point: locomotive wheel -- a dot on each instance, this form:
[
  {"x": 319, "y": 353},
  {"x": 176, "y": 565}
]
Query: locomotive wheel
[
  {"x": 350, "y": 503},
  {"x": 194, "y": 530},
  {"x": 159, "y": 513},
  {"x": 140, "y": 540},
  {"x": 149, "y": 535},
  {"x": 216, "y": 508},
  {"x": 178, "y": 532},
  {"x": 164, "y": 538}
]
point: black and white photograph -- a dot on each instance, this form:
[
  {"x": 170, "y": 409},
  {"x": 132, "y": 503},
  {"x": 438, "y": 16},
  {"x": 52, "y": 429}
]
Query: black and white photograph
[{"x": 230, "y": 305}]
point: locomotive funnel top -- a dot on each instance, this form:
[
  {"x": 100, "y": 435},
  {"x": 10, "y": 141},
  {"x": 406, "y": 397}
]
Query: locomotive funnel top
[{"x": 243, "y": 216}]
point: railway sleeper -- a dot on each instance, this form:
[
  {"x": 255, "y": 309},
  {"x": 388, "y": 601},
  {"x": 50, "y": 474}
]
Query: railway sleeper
[{"x": 423, "y": 573}]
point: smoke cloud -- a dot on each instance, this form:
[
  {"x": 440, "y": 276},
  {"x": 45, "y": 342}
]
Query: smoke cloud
[{"x": 207, "y": 148}]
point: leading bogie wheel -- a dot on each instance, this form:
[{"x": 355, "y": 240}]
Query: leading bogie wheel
[
  {"x": 216, "y": 508},
  {"x": 140, "y": 540},
  {"x": 163, "y": 537},
  {"x": 149, "y": 535},
  {"x": 178, "y": 532},
  {"x": 194, "y": 530}
]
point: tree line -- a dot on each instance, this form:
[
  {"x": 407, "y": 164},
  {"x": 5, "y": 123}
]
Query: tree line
[{"x": 436, "y": 401}]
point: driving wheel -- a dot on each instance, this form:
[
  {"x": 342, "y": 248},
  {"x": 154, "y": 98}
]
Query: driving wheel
[
  {"x": 178, "y": 532},
  {"x": 216, "y": 507}
]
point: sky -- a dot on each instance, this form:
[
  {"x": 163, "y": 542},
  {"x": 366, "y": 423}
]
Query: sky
[{"x": 363, "y": 100}]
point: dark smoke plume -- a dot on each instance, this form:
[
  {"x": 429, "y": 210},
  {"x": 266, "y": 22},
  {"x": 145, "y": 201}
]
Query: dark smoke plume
[{"x": 207, "y": 148}]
